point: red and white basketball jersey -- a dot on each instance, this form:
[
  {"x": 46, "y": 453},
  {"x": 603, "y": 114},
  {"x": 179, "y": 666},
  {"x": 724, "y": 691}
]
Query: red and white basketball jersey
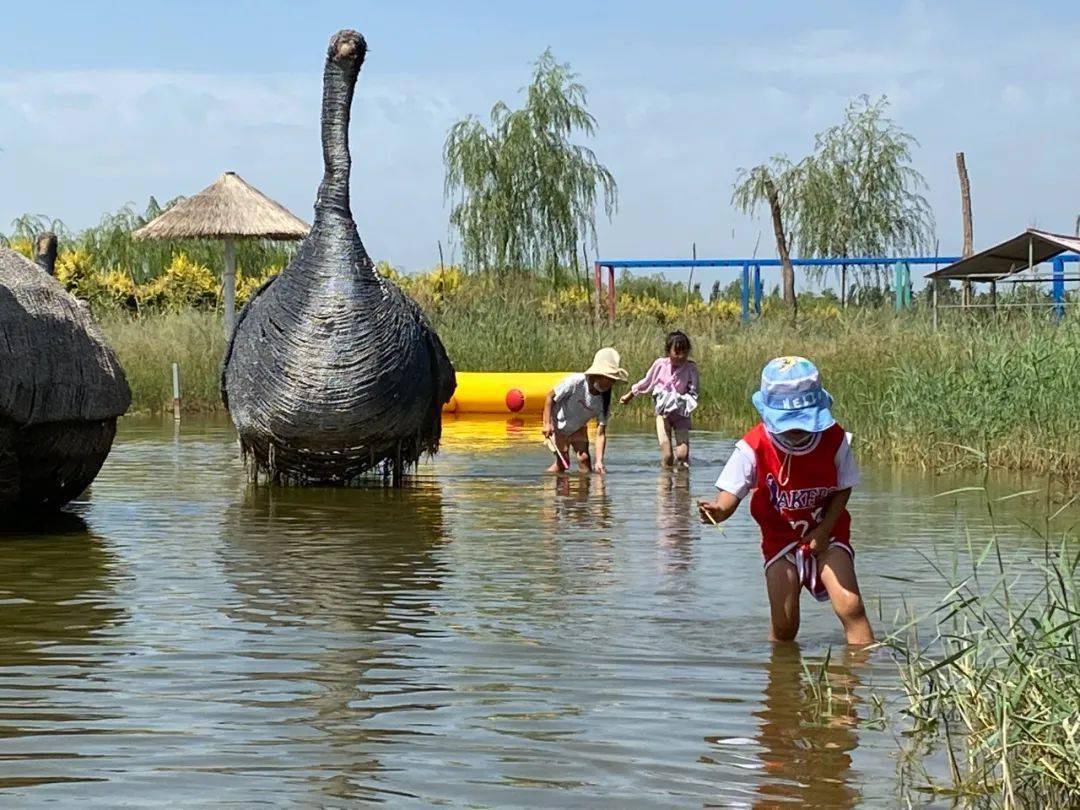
[{"x": 793, "y": 488}]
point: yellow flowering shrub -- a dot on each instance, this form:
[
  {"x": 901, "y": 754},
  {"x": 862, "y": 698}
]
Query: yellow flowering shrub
[
  {"x": 184, "y": 283},
  {"x": 429, "y": 289},
  {"x": 113, "y": 287},
  {"x": 20, "y": 244},
  {"x": 75, "y": 270},
  {"x": 246, "y": 285}
]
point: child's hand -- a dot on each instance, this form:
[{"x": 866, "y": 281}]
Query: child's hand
[
  {"x": 599, "y": 467},
  {"x": 818, "y": 541},
  {"x": 708, "y": 512},
  {"x": 625, "y": 398}
]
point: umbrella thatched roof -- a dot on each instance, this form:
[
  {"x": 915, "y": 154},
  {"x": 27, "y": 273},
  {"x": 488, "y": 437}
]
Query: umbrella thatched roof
[
  {"x": 55, "y": 365},
  {"x": 228, "y": 208}
]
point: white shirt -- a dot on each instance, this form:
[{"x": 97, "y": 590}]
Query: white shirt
[
  {"x": 576, "y": 405},
  {"x": 739, "y": 475}
]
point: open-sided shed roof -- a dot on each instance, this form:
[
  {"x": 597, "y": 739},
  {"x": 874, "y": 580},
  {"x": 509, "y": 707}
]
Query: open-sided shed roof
[{"x": 1012, "y": 256}]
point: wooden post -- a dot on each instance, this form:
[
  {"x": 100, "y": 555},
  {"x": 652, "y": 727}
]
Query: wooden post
[
  {"x": 843, "y": 286},
  {"x": 965, "y": 211},
  {"x": 599, "y": 290},
  {"x": 611, "y": 295},
  {"x": 933, "y": 298},
  {"x": 176, "y": 392},
  {"x": 690, "y": 281},
  {"x": 588, "y": 293},
  {"x": 45, "y": 252},
  {"x": 228, "y": 279}
]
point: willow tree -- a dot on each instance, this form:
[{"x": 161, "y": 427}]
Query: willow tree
[
  {"x": 773, "y": 184},
  {"x": 525, "y": 195},
  {"x": 858, "y": 194}
]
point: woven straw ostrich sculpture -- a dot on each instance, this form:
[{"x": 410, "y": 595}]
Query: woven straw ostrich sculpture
[
  {"x": 333, "y": 372},
  {"x": 61, "y": 387}
]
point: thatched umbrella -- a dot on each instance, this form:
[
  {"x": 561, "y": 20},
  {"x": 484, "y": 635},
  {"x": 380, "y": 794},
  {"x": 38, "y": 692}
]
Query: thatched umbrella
[
  {"x": 227, "y": 209},
  {"x": 333, "y": 371},
  {"x": 61, "y": 389}
]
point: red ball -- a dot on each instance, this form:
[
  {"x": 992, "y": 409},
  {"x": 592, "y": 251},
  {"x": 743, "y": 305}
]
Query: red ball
[{"x": 515, "y": 400}]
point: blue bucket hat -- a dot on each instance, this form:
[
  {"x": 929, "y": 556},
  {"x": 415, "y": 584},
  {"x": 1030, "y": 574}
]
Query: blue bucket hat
[{"x": 791, "y": 397}]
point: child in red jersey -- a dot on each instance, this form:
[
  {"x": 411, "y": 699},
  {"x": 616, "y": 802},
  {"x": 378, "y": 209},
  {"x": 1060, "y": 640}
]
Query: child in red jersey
[{"x": 797, "y": 466}]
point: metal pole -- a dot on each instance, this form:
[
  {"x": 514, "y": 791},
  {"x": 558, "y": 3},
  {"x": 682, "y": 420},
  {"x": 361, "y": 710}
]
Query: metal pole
[
  {"x": 176, "y": 392},
  {"x": 745, "y": 293},
  {"x": 933, "y": 300},
  {"x": 1058, "y": 288},
  {"x": 229, "y": 284},
  {"x": 757, "y": 289},
  {"x": 843, "y": 286}
]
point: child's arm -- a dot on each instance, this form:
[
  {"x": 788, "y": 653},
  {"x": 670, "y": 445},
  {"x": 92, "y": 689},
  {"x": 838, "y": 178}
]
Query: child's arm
[
  {"x": 549, "y": 404},
  {"x": 719, "y": 508},
  {"x": 735, "y": 482},
  {"x": 820, "y": 534},
  {"x": 644, "y": 384},
  {"x": 601, "y": 443}
]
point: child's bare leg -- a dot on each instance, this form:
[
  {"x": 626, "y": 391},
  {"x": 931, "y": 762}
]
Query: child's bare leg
[
  {"x": 580, "y": 442},
  {"x": 838, "y": 575},
  {"x": 563, "y": 443},
  {"x": 782, "y": 582},
  {"x": 682, "y": 446},
  {"x": 666, "y": 457}
]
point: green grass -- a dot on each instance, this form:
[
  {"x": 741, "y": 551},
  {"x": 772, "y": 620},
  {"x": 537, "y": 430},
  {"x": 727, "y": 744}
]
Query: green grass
[
  {"x": 148, "y": 346},
  {"x": 974, "y": 393},
  {"x": 995, "y": 688}
]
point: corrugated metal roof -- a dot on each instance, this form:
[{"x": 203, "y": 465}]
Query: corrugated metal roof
[{"x": 1011, "y": 256}]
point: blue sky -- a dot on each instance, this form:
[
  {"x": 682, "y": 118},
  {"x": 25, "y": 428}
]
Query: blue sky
[{"x": 105, "y": 104}]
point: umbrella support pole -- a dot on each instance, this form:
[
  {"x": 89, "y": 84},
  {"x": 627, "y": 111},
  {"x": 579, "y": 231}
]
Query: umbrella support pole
[{"x": 228, "y": 279}]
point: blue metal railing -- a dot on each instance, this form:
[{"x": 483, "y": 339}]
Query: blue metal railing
[{"x": 751, "y": 274}]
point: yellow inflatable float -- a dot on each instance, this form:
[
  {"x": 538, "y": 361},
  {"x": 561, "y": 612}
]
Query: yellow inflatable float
[{"x": 502, "y": 392}]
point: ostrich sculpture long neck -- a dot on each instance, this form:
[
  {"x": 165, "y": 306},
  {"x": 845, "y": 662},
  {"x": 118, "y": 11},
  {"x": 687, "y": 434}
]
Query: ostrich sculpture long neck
[{"x": 344, "y": 58}]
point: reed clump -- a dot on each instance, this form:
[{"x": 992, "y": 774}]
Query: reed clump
[
  {"x": 994, "y": 685},
  {"x": 990, "y": 392}
]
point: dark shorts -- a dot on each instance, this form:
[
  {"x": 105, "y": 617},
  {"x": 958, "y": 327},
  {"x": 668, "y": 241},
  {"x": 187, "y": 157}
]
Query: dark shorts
[{"x": 677, "y": 421}]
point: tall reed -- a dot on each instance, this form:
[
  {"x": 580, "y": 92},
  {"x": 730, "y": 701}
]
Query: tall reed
[
  {"x": 985, "y": 393},
  {"x": 996, "y": 685}
]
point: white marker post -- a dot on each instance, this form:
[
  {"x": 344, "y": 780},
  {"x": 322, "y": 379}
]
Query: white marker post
[{"x": 176, "y": 392}]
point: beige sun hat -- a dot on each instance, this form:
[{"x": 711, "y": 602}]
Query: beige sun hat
[{"x": 606, "y": 364}]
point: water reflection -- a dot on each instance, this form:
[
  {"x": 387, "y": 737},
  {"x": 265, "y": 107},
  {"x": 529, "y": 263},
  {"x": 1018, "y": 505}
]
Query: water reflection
[
  {"x": 676, "y": 523},
  {"x": 479, "y": 432},
  {"x": 806, "y": 738},
  {"x": 580, "y": 500},
  {"x": 355, "y": 571},
  {"x": 55, "y": 589},
  {"x": 56, "y": 603},
  {"x": 490, "y": 637}
]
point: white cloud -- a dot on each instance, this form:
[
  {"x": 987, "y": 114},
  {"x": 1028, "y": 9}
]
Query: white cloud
[{"x": 76, "y": 144}]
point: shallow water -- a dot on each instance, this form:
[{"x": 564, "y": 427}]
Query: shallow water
[{"x": 490, "y": 636}]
